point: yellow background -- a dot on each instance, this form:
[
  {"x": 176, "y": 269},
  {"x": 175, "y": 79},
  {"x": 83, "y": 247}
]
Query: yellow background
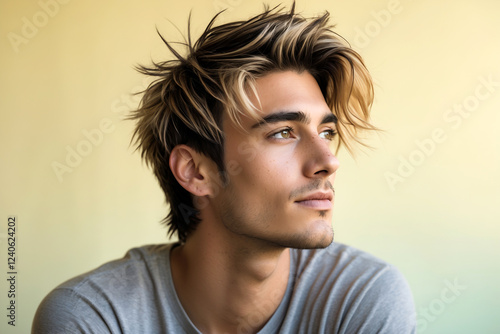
[{"x": 439, "y": 224}]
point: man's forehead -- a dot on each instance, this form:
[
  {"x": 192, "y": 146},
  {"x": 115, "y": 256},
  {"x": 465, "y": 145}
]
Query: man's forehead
[{"x": 282, "y": 96}]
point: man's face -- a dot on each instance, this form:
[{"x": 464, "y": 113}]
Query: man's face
[{"x": 281, "y": 190}]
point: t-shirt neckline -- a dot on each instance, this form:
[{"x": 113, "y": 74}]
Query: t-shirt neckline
[{"x": 272, "y": 325}]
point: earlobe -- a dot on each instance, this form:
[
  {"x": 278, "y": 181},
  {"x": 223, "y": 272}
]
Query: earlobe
[{"x": 187, "y": 166}]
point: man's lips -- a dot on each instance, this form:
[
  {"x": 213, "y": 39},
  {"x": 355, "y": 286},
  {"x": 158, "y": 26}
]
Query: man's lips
[{"x": 318, "y": 201}]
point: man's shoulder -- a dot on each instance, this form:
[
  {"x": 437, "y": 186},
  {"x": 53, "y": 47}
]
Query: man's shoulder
[
  {"x": 83, "y": 303},
  {"x": 356, "y": 288},
  {"x": 137, "y": 262},
  {"x": 350, "y": 268}
]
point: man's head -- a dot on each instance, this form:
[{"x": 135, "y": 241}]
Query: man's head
[{"x": 238, "y": 81}]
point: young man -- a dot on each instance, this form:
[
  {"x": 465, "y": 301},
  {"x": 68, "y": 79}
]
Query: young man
[{"x": 240, "y": 134}]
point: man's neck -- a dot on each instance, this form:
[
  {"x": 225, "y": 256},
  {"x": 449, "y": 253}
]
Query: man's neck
[{"x": 229, "y": 285}]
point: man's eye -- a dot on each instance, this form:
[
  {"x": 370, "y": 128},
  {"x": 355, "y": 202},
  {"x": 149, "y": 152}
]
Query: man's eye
[
  {"x": 328, "y": 134},
  {"x": 283, "y": 134}
]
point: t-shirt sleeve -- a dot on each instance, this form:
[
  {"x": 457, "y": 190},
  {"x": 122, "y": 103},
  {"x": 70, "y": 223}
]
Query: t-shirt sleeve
[
  {"x": 385, "y": 305},
  {"x": 63, "y": 311}
]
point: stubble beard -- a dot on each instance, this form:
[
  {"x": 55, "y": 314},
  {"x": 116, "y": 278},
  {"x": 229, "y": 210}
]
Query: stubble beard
[{"x": 252, "y": 226}]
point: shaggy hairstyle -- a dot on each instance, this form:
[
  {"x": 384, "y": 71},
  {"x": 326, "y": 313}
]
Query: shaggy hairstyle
[{"x": 187, "y": 101}]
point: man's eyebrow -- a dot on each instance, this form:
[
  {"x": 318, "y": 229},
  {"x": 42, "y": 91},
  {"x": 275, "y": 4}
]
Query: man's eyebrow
[
  {"x": 296, "y": 116},
  {"x": 330, "y": 118}
]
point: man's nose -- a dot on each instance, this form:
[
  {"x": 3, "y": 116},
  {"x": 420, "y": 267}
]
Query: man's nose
[{"x": 319, "y": 158}]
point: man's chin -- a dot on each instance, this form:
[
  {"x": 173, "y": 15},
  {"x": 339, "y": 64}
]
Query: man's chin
[
  {"x": 322, "y": 243},
  {"x": 308, "y": 240}
]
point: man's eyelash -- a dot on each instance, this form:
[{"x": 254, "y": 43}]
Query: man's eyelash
[{"x": 331, "y": 132}]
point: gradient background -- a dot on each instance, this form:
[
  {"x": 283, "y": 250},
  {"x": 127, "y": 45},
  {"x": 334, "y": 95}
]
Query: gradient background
[{"x": 439, "y": 225}]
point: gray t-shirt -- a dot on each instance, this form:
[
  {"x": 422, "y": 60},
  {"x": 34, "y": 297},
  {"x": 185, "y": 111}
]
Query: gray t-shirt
[{"x": 338, "y": 289}]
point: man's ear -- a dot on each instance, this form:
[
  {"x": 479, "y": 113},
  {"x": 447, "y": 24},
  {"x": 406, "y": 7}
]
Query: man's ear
[{"x": 191, "y": 169}]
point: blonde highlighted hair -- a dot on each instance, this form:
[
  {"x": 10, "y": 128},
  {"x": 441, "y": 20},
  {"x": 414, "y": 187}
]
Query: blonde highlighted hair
[{"x": 187, "y": 101}]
